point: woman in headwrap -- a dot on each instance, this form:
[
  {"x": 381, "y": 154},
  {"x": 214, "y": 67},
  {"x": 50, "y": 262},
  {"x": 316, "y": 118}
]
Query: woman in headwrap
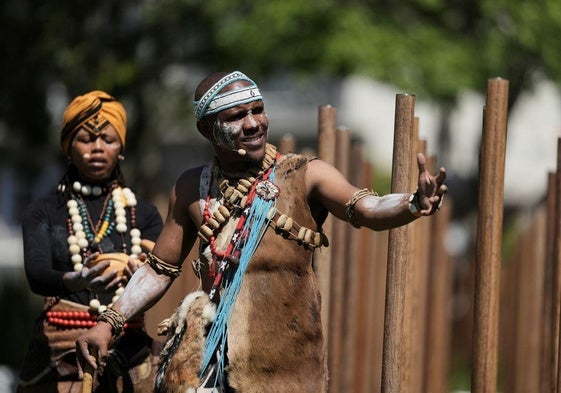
[{"x": 81, "y": 245}]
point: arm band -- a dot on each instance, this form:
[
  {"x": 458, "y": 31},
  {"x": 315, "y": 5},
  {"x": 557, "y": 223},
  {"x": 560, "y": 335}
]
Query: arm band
[
  {"x": 161, "y": 267},
  {"x": 350, "y": 205}
]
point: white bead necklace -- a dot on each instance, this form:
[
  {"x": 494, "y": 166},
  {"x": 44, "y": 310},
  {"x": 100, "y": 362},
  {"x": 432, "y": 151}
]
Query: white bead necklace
[{"x": 78, "y": 241}]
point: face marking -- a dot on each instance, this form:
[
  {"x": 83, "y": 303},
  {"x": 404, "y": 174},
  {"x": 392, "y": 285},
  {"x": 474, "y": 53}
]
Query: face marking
[{"x": 225, "y": 133}]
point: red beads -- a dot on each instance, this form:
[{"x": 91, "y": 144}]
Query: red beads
[
  {"x": 71, "y": 319},
  {"x": 83, "y": 320}
]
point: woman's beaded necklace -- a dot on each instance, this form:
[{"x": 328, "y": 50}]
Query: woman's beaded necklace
[{"x": 85, "y": 237}]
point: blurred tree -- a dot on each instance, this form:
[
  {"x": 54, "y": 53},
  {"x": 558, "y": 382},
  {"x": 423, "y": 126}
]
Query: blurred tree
[{"x": 432, "y": 48}]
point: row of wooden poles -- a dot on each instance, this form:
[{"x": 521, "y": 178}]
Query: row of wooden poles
[
  {"x": 386, "y": 295},
  {"x": 531, "y": 297}
]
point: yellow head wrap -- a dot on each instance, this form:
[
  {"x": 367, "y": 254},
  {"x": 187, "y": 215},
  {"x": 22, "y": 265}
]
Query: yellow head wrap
[{"x": 93, "y": 111}]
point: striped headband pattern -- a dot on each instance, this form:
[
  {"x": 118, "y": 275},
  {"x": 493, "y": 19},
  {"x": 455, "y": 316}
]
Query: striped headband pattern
[{"x": 211, "y": 102}]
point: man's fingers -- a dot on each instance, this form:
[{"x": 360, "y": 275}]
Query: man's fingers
[
  {"x": 441, "y": 175},
  {"x": 85, "y": 359},
  {"x": 421, "y": 162}
]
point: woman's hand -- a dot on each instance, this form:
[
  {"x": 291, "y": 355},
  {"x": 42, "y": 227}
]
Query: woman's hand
[
  {"x": 94, "y": 278},
  {"x": 132, "y": 266}
]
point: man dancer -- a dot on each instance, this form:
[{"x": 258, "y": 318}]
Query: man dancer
[{"x": 258, "y": 215}]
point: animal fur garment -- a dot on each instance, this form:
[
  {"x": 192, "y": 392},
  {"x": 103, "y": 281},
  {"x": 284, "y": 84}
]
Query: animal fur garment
[
  {"x": 275, "y": 341},
  {"x": 182, "y": 355}
]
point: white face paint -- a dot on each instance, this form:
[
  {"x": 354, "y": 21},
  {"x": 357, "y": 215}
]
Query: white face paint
[{"x": 225, "y": 133}]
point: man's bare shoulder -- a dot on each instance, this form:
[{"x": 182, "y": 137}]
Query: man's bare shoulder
[{"x": 187, "y": 185}]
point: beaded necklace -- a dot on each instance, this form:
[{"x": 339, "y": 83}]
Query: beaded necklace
[
  {"x": 252, "y": 200},
  {"x": 235, "y": 200},
  {"x": 85, "y": 236}
]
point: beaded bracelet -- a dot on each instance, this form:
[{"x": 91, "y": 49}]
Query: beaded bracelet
[
  {"x": 161, "y": 267},
  {"x": 350, "y": 205},
  {"x": 113, "y": 318}
]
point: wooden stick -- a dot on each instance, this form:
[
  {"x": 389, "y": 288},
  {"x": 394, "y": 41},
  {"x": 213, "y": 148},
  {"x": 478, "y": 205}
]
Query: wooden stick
[
  {"x": 338, "y": 281},
  {"x": 397, "y": 250},
  {"x": 547, "y": 307},
  {"x": 322, "y": 260},
  {"x": 440, "y": 292},
  {"x": 489, "y": 238},
  {"x": 556, "y": 302},
  {"x": 87, "y": 382}
]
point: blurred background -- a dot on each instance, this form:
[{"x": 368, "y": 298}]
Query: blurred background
[{"x": 353, "y": 55}]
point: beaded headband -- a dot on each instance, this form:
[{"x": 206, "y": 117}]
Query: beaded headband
[{"x": 211, "y": 102}]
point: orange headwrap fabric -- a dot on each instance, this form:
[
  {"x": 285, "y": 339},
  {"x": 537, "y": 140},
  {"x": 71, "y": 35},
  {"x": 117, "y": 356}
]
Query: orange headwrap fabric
[{"x": 93, "y": 111}]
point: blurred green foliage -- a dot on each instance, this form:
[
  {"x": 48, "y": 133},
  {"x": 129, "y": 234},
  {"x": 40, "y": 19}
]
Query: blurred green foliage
[{"x": 430, "y": 47}]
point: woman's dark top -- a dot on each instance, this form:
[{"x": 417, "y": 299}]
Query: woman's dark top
[{"x": 45, "y": 245}]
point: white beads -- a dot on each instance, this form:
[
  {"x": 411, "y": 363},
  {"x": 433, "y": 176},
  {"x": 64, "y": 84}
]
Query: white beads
[
  {"x": 95, "y": 304},
  {"x": 129, "y": 196},
  {"x": 74, "y": 248},
  {"x": 135, "y": 249},
  {"x": 83, "y": 242},
  {"x": 119, "y": 201},
  {"x": 78, "y": 242}
]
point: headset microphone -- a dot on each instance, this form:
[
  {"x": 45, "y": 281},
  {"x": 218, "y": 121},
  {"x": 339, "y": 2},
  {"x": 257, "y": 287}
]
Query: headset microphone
[{"x": 241, "y": 152}]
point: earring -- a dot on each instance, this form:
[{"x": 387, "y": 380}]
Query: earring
[{"x": 121, "y": 157}]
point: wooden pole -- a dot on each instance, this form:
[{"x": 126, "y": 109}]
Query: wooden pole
[
  {"x": 397, "y": 250},
  {"x": 376, "y": 250},
  {"x": 327, "y": 117},
  {"x": 410, "y": 342},
  {"x": 287, "y": 144},
  {"x": 440, "y": 293},
  {"x": 556, "y": 343},
  {"x": 357, "y": 267},
  {"x": 339, "y": 278},
  {"x": 489, "y": 237},
  {"x": 528, "y": 310},
  {"x": 546, "y": 378}
]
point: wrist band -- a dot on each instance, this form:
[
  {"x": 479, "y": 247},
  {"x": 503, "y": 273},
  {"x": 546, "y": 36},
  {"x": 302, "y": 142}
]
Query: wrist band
[
  {"x": 414, "y": 205},
  {"x": 113, "y": 318}
]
